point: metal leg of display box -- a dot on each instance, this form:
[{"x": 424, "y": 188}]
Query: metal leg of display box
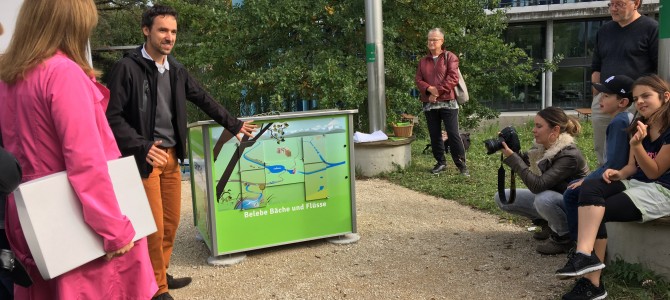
[
  {"x": 226, "y": 260},
  {"x": 198, "y": 237},
  {"x": 348, "y": 238},
  {"x": 222, "y": 260}
]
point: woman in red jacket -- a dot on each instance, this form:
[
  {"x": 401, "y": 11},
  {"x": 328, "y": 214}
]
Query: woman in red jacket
[{"x": 436, "y": 78}]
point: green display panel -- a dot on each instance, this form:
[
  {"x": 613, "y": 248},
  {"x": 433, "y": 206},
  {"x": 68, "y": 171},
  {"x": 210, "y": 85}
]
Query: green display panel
[{"x": 290, "y": 182}]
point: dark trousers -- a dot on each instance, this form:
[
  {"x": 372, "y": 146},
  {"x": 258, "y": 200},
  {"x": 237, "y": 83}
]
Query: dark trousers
[
  {"x": 618, "y": 206},
  {"x": 435, "y": 118}
]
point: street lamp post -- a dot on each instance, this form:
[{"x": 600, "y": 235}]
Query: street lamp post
[{"x": 374, "y": 56}]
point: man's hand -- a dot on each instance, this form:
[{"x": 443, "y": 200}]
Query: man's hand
[
  {"x": 157, "y": 157},
  {"x": 119, "y": 252},
  {"x": 247, "y": 129}
]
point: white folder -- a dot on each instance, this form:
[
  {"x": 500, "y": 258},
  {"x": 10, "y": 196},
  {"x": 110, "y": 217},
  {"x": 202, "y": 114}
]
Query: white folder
[{"x": 52, "y": 219}]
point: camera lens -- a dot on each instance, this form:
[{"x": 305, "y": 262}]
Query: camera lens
[{"x": 492, "y": 145}]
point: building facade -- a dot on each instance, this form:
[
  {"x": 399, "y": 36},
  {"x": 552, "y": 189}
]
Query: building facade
[{"x": 546, "y": 28}]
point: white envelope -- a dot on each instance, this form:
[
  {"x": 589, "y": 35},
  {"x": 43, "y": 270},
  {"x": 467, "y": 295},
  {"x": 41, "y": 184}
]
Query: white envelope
[{"x": 53, "y": 224}]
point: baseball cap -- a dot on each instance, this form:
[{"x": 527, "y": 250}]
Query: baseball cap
[{"x": 620, "y": 85}]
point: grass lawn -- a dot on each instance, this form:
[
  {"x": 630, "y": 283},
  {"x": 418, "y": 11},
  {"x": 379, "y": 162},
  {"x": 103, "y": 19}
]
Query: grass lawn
[{"x": 623, "y": 280}]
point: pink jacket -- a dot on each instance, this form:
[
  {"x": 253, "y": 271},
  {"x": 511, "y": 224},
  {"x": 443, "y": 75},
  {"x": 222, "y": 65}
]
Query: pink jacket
[
  {"x": 441, "y": 74},
  {"x": 54, "y": 120}
]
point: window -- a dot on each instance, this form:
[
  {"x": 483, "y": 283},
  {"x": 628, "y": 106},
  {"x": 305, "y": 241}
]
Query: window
[
  {"x": 570, "y": 39},
  {"x": 529, "y": 37},
  {"x": 571, "y": 87}
]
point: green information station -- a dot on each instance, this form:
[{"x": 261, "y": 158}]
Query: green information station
[{"x": 292, "y": 181}]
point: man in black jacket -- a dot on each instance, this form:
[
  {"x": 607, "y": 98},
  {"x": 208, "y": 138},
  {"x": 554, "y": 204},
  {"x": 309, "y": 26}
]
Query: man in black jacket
[{"x": 147, "y": 113}]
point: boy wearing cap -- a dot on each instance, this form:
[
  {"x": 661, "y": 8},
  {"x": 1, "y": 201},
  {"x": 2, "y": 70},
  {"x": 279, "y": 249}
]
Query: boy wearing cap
[{"x": 617, "y": 97}]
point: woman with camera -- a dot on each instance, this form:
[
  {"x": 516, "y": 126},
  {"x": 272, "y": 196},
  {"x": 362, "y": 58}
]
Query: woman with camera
[{"x": 547, "y": 169}]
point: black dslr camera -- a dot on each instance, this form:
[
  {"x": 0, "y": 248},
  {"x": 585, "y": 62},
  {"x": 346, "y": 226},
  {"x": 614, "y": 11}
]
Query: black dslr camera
[
  {"x": 511, "y": 138},
  {"x": 507, "y": 135}
]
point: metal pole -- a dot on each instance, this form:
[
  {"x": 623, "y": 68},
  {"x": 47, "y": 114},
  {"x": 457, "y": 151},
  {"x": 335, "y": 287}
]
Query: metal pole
[
  {"x": 374, "y": 56},
  {"x": 664, "y": 40},
  {"x": 549, "y": 75}
]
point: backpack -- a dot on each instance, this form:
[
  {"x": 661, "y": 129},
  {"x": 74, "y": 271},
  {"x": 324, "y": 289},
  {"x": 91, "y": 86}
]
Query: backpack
[{"x": 465, "y": 137}]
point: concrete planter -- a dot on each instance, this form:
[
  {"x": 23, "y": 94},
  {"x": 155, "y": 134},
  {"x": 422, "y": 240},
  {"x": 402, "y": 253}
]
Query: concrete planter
[
  {"x": 374, "y": 158},
  {"x": 645, "y": 243}
]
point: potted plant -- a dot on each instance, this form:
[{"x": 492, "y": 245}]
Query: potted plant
[{"x": 402, "y": 124}]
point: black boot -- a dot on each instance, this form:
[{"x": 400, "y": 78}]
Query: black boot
[
  {"x": 177, "y": 283},
  {"x": 544, "y": 232},
  {"x": 556, "y": 245}
]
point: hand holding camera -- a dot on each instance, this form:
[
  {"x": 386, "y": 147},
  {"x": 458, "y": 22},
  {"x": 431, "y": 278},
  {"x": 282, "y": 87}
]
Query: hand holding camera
[{"x": 507, "y": 140}]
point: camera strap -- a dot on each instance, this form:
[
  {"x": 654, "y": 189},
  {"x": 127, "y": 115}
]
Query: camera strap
[{"x": 501, "y": 184}]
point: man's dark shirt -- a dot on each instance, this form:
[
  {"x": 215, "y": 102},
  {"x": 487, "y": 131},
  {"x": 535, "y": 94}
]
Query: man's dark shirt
[{"x": 631, "y": 50}]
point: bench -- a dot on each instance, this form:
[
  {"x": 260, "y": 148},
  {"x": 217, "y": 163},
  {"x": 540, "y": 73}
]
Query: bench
[
  {"x": 586, "y": 112},
  {"x": 643, "y": 243}
]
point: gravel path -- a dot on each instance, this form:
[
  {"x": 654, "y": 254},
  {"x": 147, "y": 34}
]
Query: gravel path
[{"x": 412, "y": 246}]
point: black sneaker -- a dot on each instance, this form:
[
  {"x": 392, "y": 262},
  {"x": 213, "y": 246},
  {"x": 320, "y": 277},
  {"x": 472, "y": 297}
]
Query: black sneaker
[
  {"x": 572, "y": 250},
  {"x": 465, "y": 172},
  {"x": 438, "y": 168},
  {"x": 580, "y": 264},
  {"x": 177, "y": 283},
  {"x": 585, "y": 290}
]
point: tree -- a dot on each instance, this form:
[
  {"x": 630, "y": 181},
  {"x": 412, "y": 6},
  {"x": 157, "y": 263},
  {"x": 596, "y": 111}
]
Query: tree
[
  {"x": 272, "y": 55},
  {"x": 118, "y": 25}
]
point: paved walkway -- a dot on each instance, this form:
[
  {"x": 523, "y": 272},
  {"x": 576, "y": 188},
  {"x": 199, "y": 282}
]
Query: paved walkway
[{"x": 412, "y": 246}]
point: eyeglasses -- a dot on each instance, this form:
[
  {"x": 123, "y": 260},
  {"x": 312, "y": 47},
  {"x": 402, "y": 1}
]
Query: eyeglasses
[
  {"x": 617, "y": 5},
  {"x": 434, "y": 40}
]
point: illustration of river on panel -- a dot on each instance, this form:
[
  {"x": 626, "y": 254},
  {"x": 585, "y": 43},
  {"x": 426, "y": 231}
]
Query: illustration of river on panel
[{"x": 284, "y": 164}]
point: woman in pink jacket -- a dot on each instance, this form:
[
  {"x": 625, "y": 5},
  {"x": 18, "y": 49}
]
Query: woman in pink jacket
[{"x": 52, "y": 118}]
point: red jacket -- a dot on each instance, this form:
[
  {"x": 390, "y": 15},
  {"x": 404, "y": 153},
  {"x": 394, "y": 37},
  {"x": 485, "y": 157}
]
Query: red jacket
[{"x": 441, "y": 74}]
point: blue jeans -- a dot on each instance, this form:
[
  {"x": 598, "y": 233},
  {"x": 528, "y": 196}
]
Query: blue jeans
[
  {"x": 570, "y": 200},
  {"x": 547, "y": 205}
]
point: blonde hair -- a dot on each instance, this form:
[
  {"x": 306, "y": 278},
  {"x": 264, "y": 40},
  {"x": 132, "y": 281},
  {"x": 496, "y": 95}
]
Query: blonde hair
[{"x": 44, "y": 27}]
